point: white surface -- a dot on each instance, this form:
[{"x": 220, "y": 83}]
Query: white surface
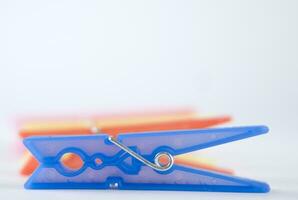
[{"x": 234, "y": 57}]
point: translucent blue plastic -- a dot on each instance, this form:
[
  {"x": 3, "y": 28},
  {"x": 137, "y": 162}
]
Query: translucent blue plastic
[{"x": 119, "y": 170}]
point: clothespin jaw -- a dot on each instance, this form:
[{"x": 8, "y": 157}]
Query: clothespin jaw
[{"x": 131, "y": 161}]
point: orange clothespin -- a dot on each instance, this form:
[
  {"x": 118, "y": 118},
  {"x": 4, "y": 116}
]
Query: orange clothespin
[{"x": 85, "y": 124}]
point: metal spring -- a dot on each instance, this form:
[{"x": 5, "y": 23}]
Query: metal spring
[{"x": 156, "y": 165}]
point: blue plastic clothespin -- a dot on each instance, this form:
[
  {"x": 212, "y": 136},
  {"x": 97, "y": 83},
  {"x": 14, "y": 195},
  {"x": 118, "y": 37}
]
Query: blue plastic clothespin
[{"x": 132, "y": 161}]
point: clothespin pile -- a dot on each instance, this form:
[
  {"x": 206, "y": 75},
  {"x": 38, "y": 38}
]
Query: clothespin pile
[{"x": 140, "y": 150}]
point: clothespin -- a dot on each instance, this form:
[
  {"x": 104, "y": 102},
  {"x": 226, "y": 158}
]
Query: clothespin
[
  {"x": 134, "y": 161},
  {"x": 179, "y": 119},
  {"x": 164, "y": 122}
]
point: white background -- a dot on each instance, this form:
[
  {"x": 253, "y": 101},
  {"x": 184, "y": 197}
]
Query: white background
[{"x": 221, "y": 57}]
